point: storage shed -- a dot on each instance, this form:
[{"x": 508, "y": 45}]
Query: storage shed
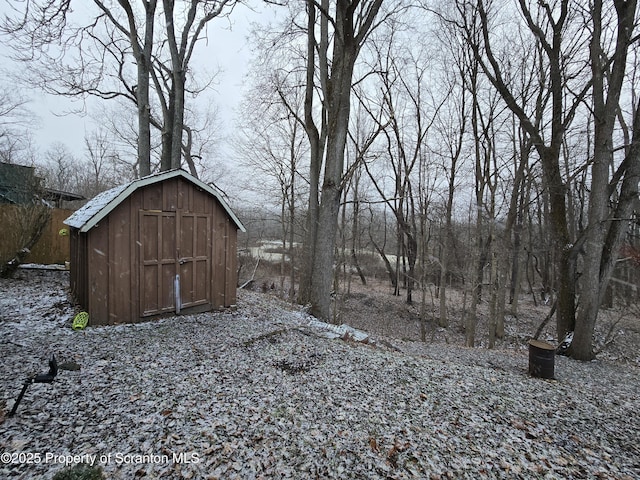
[{"x": 162, "y": 244}]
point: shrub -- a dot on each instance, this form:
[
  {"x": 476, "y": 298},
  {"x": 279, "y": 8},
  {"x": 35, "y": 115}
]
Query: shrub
[{"x": 80, "y": 472}]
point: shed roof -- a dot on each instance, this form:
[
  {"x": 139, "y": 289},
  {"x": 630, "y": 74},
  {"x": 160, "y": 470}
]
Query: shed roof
[{"x": 102, "y": 204}]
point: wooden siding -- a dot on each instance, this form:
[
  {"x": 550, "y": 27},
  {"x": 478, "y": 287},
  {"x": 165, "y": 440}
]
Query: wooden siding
[
  {"x": 98, "y": 273},
  {"x": 231, "y": 267},
  {"x": 79, "y": 267},
  {"x": 134, "y": 254}
]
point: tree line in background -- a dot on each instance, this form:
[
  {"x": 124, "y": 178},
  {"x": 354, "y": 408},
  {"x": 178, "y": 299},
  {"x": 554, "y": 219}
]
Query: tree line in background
[
  {"x": 497, "y": 140},
  {"x": 515, "y": 123}
]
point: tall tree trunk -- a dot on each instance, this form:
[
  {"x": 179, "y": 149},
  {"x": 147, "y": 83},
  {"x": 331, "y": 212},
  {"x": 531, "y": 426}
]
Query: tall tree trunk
[
  {"x": 316, "y": 151},
  {"x": 167, "y": 130},
  {"x": 549, "y": 152},
  {"x": 340, "y": 100},
  {"x": 472, "y": 285},
  {"x": 178, "y": 117},
  {"x": 412, "y": 256},
  {"x": 355, "y": 229},
  {"x": 443, "y": 320},
  {"x": 504, "y": 237},
  {"x": 605, "y": 108},
  {"x": 142, "y": 54},
  {"x": 177, "y": 91},
  {"x": 292, "y": 215},
  {"x": 493, "y": 314},
  {"x": 514, "y": 291},
  {"x": 335, "y": 78},
  {"x": 142, "y": 94}
]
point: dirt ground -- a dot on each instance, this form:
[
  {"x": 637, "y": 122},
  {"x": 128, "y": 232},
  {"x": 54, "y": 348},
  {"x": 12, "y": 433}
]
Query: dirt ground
[{"x": 374, "y": 308}]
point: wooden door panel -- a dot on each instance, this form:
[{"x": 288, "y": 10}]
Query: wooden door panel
[
  {"x": 167, "y": 292},
  {"x": 194, "y": 259},
  {"x": 201, "y": 279},
  {"x": 187, "y": 295},
  {"x": 156, "y": 237},
  {"x": 203, "y": 231},
  {"x": 174, "y": 243},
  {"x": 168, "y": 237},
  {"x": 186, "y": 236},
  {"x": 149, "y": 243},
  {"x": 149, "y": 290}
]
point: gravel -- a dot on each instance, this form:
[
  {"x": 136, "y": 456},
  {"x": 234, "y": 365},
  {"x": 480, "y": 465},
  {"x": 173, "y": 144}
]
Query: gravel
[{"x": 265, "y": 391}]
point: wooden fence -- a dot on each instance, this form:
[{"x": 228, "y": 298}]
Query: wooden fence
[{"x": 52, "y": 248}]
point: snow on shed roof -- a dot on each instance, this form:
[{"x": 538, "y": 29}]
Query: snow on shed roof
[{"x": 102, "y": 204}]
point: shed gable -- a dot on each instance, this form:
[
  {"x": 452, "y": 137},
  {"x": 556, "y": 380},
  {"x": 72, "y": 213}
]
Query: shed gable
[{"x": 102, "y": 204}]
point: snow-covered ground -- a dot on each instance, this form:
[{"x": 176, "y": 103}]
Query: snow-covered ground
[{"x": 267, "y": 392}]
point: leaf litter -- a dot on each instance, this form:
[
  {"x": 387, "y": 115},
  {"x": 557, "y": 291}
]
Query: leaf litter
[{"x": 267, "y": 391}]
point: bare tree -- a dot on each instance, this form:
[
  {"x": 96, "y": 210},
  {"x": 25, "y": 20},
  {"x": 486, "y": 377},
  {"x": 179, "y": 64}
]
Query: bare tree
[
  {"x": 271, "y": 141},
  {"x": 27, "y": 219},
  {"x": 411, "y": 109},
  {"x": 605, "y": 232},
  {"x": 343, "y": 28},
  {"x": 547, "y": 26},
  {"x": 15, "y": 119},
  {"x": 28, "y": 222},
  {"x": 105, "y": 167},
  {"x": 95, "y": 58},
  {"x": 362, "y": 134},
  {"x": 43, "y": 36},
  {"x": 451, "y": 131},
  {"x": 181, "y": 43},
  {"x": 560, "y": 32},
  {"x": 142, "y": 45}
]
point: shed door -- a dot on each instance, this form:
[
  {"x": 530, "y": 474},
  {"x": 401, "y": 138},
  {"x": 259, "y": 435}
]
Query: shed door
[
  {"x": 194, "y": 259},
  {"x": 174, "y": 248}
]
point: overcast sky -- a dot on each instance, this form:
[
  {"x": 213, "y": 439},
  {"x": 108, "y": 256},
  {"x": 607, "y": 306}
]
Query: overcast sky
[{"x": 226, "y": 50}]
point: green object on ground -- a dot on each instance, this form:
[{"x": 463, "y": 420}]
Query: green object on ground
[{"x": 80, "y": 321}]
